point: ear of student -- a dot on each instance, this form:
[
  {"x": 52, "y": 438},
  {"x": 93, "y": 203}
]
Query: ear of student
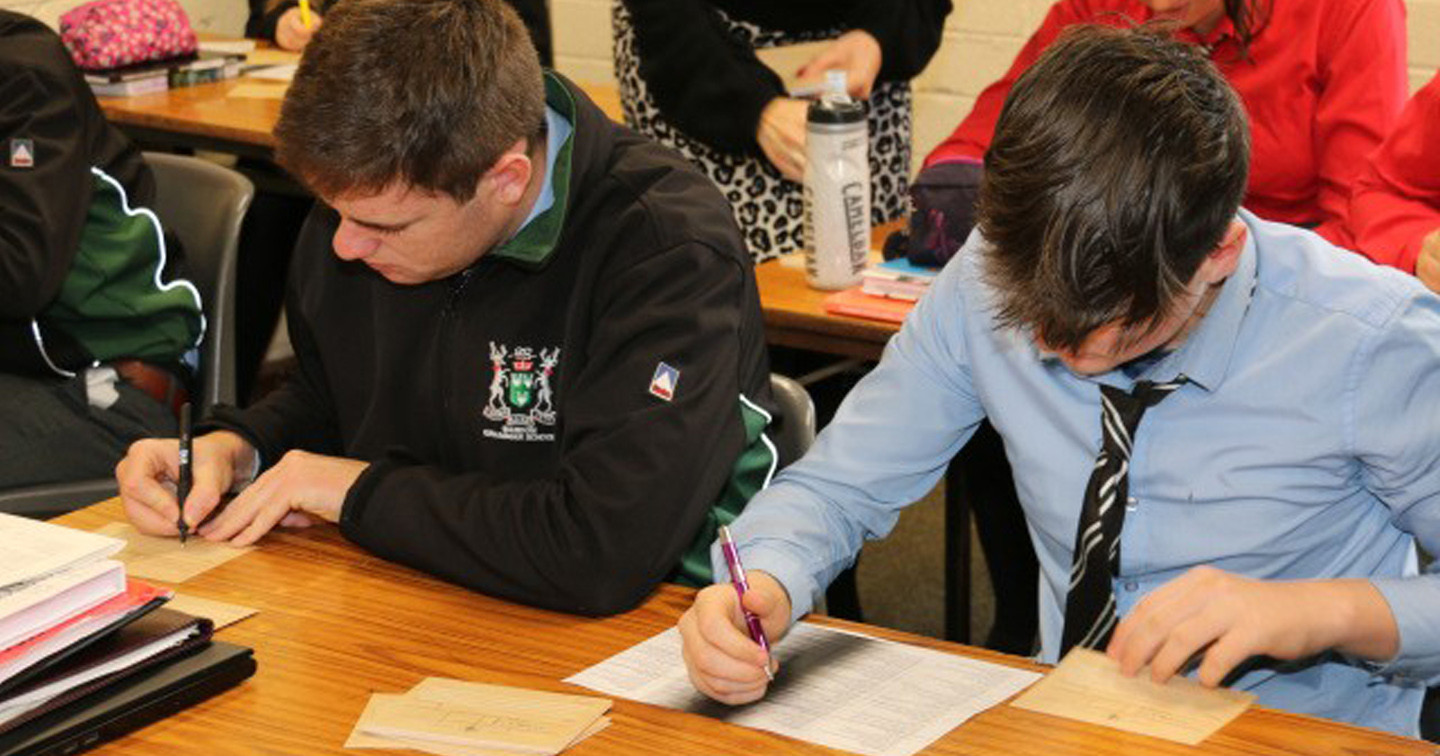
[
  {"x": 510, "y": 176},
  {"x": 1223, "y": 260}
]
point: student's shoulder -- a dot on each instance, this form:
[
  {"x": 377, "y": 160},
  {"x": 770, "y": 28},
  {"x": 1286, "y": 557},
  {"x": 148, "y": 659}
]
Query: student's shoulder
[
  {"x": 32, "y": 54},
  {"x": 1308, "y": 271},
  {"x": 1342, "y": 17},
  {"x": 659, "y": 201},
  {"x": 28, "y": 45}
]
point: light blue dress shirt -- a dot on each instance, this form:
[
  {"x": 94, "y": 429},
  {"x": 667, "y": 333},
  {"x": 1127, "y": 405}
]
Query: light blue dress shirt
[{"x": 1306, "y": 445}]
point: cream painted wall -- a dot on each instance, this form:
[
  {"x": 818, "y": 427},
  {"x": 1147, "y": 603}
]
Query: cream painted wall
[{"x": 981, "y": 38}]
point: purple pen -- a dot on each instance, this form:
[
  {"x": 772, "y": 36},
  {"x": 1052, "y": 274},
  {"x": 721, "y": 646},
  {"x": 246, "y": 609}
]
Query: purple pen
[{"x": 737, "y": 579}]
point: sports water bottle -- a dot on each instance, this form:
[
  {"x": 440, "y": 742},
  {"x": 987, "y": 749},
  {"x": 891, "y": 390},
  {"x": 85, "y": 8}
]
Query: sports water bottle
[{"x": 837, "y": 188}]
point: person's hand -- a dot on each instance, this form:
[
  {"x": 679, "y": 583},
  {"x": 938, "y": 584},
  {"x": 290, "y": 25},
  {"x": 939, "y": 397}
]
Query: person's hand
[
  {"x": 857, "y": 53},
  {"x": 290, "y": 31},
  {"x": 1230, "y": 618},
  {"x": 1427, "y": 266},
  {"x": 301, "y": 488},
  {"x": 151, "y": 466},
  {"x": 782, "y": 136},
  {"x": 723, "y": 662}
]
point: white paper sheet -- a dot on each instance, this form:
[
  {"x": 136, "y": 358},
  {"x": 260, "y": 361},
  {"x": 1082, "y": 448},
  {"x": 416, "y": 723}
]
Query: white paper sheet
[
  {"x": 284, "y": 72},
  {"x": 32, "y": 550},
  {"x": 835, "y": 688}
]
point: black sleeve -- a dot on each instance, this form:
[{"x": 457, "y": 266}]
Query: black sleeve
[
  {"x": 637, "y": 474},
  {"x": 42, "y": 208},
  {"x": 707, "y": 84},
  {"x": 300, "y": 414},
  {"x": 909, "y": 33},
  {"x": 255, "y": 22}
]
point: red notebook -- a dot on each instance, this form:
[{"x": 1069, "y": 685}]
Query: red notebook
[{"x": 855, "y": 303}]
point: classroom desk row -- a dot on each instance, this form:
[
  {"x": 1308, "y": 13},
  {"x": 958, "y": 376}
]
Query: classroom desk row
[{"x": 336, "y": 624}]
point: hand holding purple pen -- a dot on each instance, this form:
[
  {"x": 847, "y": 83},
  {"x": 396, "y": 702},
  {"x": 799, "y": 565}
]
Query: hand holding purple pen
[{"x": 737, "y": 578}]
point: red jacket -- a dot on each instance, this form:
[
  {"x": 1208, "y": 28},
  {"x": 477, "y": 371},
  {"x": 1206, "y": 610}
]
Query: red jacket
[
  {"x": 1397, "y": 197},
  {"x": 1323, "y": 85}
]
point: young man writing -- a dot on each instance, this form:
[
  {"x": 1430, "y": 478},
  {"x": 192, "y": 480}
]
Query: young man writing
[
  {"x": 1223, "y": 429},
  {"x": 530, "y": 347}
]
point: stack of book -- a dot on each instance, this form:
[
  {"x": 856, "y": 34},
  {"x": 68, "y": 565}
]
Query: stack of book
[
  {"x": 887, "y": 291},
  {"x": 160, "y": 75},
  {"x": 73, "y": 626}
]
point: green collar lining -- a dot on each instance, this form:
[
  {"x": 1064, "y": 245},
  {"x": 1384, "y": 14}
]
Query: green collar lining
[{"x": 534, "y": 244}]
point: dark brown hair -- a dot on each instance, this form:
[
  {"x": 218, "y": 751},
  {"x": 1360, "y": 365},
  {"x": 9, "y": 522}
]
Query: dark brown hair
[
  {"x": 424, "y": 93},
  {"x": 1248, "y": 17},
  {"x": 1119, "y": 159}
]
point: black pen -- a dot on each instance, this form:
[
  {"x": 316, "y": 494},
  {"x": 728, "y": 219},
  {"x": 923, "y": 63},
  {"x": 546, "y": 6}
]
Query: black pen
[{"x": 182, "y": 487}]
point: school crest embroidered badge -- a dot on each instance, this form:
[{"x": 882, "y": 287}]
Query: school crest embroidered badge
[{"x": 522, "y": 393}]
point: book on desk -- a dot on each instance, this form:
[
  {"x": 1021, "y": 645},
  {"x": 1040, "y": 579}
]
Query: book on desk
[
  {"x": 75, "y": 632},
  {"x": 161, "y": 75}
]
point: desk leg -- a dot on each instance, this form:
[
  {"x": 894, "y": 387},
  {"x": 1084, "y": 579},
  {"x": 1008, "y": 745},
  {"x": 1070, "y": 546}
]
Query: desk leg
[{"x": 957, "y": 554}]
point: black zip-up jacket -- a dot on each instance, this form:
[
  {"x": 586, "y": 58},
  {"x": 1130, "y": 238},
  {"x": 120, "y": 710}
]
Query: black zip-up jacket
[
  {"x": 87, "y": 273},
  {"x": 512, "y": 414}
]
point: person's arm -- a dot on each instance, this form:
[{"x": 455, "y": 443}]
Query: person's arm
[
  {"x": 1364, "y": 85},
  {"x": 972, "y": 137},
  {"x": 282, "y": 23},
  {"x": 637, "y": 474},
  {"x": 909, "y": 33},
  {"x": 1397, "y": 441},
  {"x": 1396, "y": 203},
  {"x": 887, "y": 445},
  {"x": 301, "y": 413},
  {"x": 42, "y": 208},
  {"x": 1390, "y": 406},
  {"x": 708, "y": 85}
]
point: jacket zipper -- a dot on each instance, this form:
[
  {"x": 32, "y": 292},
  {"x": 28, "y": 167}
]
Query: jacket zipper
[{"x": 447, "y": 324}]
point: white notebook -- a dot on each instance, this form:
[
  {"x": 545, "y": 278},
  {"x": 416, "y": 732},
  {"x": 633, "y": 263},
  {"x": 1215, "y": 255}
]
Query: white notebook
[{"x": 32, "y": 550}]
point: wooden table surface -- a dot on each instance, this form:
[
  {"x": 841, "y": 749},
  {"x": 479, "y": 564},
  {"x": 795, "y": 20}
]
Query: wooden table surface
[
  {"x": 795, "y": 313},
  {"x": 336, "y": 624}
]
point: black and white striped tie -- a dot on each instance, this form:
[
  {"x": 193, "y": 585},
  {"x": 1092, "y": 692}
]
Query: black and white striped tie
[{"x": 1090, "y": 605}]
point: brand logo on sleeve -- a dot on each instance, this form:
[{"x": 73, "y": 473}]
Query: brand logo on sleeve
[
  {"x": 522, "y": 393},
  {"x": 22, "y": 153},
  {"x": 664, "y": 382}
]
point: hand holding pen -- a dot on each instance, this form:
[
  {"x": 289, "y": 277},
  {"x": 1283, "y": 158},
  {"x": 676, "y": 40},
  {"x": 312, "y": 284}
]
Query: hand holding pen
[
  {"x": 737, "y": 578},
  {"x": 721, "y": 646}
]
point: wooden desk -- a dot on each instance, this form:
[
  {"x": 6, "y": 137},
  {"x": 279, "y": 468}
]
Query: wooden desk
[
  {"x": 336, "y": 624},
  {"x": 205, "y": 117},
  {"x": 795, "y": 314}
]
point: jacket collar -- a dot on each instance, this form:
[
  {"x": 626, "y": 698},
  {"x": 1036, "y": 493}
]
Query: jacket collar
[{"x": 533, "y": 245}]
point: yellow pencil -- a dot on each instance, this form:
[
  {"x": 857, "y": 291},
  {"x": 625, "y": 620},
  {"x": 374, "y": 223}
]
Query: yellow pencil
[{"x": 305, "y": 13}]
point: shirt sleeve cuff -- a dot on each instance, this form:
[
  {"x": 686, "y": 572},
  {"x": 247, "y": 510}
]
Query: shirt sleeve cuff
[
  {"x": 1415, "y": 603},
  {"x": 790, "y": 573}
]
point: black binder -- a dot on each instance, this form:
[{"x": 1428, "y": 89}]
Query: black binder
[{"x": 132, "y": 703}]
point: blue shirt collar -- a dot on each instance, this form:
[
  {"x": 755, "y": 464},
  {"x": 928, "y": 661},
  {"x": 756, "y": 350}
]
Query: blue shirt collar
[
  {"x": 1204, "y": 357},
  {"x": 557, "y": 130}
]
